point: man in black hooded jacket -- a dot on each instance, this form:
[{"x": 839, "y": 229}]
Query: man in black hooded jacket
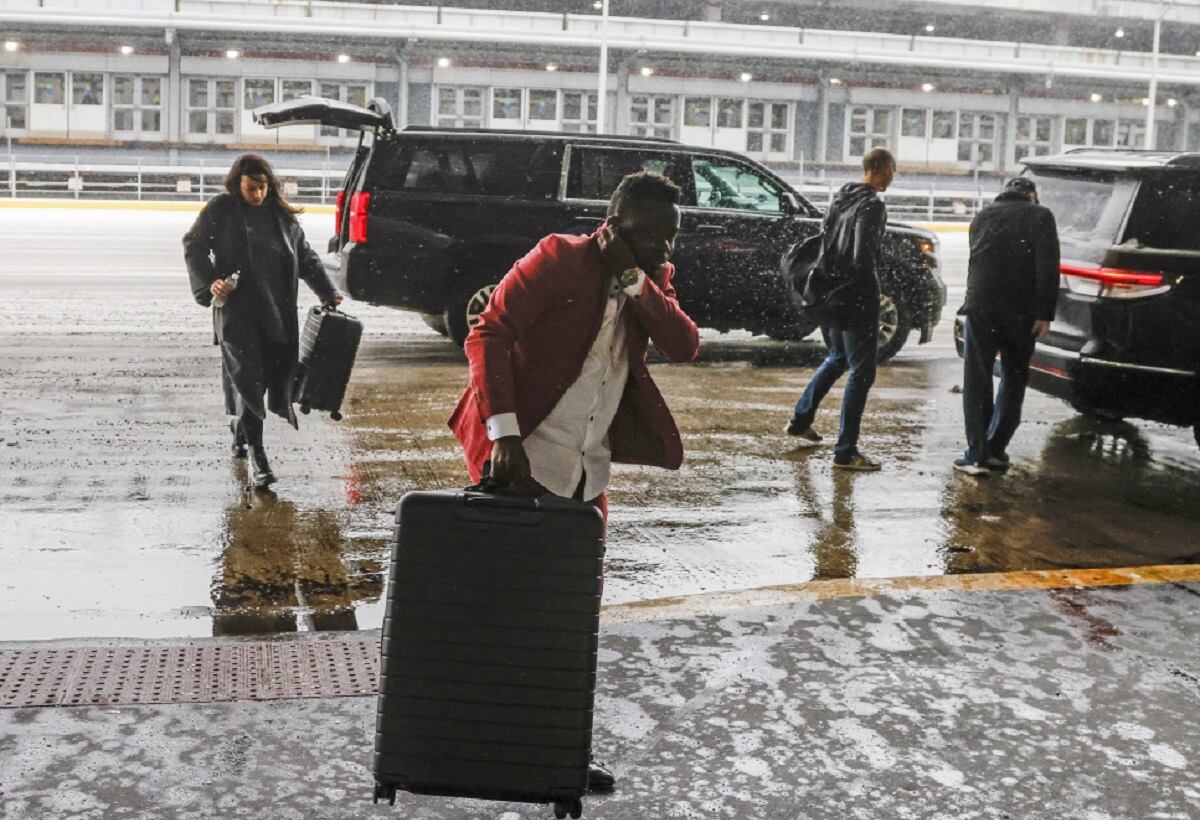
[
  {"x": 1012, "y": 288},
  {"x": 854, "y": 228}
]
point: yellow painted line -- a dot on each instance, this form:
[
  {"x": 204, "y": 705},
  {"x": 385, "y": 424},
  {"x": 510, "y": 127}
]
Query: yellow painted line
[
  {"x": 127, "y": 205},
  {"x": 710, "y": 603}
]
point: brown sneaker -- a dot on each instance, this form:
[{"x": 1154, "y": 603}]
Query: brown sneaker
[
  {"x": 808, "y": 437},
  {"x": 857, "y": 462}
]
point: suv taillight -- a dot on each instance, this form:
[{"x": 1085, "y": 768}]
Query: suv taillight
[
  {"x": 358, "y": 216},
  {"x": 1113, "y": 283},
  {"x": 337, "y": 223}
]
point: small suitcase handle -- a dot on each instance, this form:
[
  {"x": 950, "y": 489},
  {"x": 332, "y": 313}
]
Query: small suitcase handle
[{"x": 493, "y": 494}]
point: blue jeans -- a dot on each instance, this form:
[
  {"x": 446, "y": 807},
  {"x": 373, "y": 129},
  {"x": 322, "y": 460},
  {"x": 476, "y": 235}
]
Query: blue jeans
[
  {"x": 991, "y": 420},
  {"x": 852, "y": 347}
]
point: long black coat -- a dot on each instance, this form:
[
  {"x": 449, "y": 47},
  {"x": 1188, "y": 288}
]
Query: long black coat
[{"x": 217, "y": 245}]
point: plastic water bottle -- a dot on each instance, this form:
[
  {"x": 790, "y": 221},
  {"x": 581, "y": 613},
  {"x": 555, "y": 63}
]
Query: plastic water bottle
[{"x": 232, "y": 281}]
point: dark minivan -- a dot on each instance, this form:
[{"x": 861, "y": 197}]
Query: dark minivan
[
  {"x": 1125, "y": 342},
  {"x": 431, "y": 219}
]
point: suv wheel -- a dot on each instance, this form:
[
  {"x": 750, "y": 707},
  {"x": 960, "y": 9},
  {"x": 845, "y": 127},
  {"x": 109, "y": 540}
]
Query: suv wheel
[
  {"x": 466, "y": 303},
  {"x": 894, "y": 325}
]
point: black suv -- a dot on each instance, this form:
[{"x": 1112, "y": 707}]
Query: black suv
[
  {"x": 430, "y": 219},
  {"x": 1125, "y": 342}
]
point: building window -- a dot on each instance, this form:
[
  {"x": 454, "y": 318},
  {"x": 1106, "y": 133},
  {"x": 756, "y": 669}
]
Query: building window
[
  {"x": 1131, "y": 133},
  {"x": 87, "y": 88},
  {"x": 258, "y": 92},
  {"x": 295, "y": 89},
  {"x": 460, "y": 107},
  {"x": 211, "y": 106},
  {"x": 1033, "y": 137},
  {"x": 914, "y": 122},
  {"x": 697, "y": 112},
  {"x": 768, "y": 128},
  {"x": 651, "y": 116},
  {"x": 506, "y": 104},
  {"x": 1103, "y": 132},
  {"x": 1193, "y": 137},
  {"x": 543, "y": 104},
  {"x": 869, "y": 128},
  {"x": 49, "y": 88},
  {"x": 575, "y": 103},
  {"x": 16, "y": 101},
  {"x": 976, "y": 138},
  {"x": 136, "y": 104}
]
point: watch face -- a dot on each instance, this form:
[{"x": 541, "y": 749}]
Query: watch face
[{"x": 629, "y": 277}]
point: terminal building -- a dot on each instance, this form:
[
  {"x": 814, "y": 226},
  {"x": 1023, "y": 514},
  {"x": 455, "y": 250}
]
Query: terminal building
[{"x": 953, "y": 88}]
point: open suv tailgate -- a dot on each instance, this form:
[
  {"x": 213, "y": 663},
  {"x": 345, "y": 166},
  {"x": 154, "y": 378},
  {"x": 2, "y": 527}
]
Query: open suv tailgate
[{"x": 324, "y": 111}]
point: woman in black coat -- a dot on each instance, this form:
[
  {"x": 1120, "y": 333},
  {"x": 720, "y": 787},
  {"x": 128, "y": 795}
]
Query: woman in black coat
[{"x": 251, "y": 230}]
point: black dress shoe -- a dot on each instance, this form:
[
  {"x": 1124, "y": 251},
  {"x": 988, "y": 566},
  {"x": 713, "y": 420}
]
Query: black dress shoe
[
  {"x": 239, "y": 441},
  {"x": 600, "y": 779},
  {"x": 261, "y": 476}
]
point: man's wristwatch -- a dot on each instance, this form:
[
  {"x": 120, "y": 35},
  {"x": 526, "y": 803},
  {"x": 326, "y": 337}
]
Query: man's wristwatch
[{"x": 629, "y": 276}]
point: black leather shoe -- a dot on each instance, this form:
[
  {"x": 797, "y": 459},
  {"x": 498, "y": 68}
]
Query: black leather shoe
[
  {"x": 261, "y": 476},
  {"x": 600, "y": 779},
  {"x": 239, "y": 441}
]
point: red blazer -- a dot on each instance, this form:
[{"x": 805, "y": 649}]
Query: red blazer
[{"x": 532, "y": 340}]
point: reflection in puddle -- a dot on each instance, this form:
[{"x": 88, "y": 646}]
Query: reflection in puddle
[{"x": 282, "y": 570}]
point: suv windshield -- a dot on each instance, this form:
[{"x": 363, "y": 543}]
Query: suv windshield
[{"x": 1165, "y": 213}]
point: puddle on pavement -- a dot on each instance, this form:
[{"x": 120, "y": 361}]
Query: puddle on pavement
[{"x": 143, "y": 529}]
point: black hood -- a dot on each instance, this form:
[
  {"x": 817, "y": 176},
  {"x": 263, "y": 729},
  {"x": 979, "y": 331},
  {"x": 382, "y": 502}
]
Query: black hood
[
  {"x": 851, "y": 195},
  {"x": 1012, "y": 196}
]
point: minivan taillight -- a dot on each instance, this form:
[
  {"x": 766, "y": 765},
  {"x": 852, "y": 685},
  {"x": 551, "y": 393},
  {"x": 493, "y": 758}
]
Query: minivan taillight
[
  {"x": 337, "y": 218},
  {"x": 358, "y": 216},
  {"x": 1113, "y": 283}
]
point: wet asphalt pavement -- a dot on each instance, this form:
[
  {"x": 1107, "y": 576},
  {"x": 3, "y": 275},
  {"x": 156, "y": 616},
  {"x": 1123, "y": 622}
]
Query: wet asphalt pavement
[{"x": 124, "y": 515}]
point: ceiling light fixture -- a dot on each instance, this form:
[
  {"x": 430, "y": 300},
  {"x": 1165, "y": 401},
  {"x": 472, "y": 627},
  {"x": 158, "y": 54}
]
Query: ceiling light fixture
[
  {"x": 834, "y": 81},
  {"x": 233, "y": 54},
  {"x": 343, "y": 58},
  {"x": 443, "y": 62},
  {"x": 927, "y": 87},
  {"x": 647, "y": 71},
  {"x": 1172, "y": 102},
  {"x": 765, "y": 17},
  {"x": 747, "y": 76},
  {"x": 1119, "y": 33},
  {"x": 930, "y": 28},
  {"x": 1096, "y": 98},
  {"x": 126, "y": 50},
  {"x": 13, "y": 45},
  {"x": 552, "y": 66}
]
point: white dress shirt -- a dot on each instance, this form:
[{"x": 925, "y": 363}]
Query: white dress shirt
[{"x": 573, "y": 440}]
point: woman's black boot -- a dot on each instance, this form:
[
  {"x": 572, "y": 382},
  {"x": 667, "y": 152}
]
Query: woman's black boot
[
  {"x": 239, "y": 440},
  {"x": 261, "y": 476}
]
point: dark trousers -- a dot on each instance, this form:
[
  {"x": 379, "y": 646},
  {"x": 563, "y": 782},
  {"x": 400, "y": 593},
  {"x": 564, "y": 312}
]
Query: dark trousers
[
  {"x": 991, "y": 420},
  {"x": 250, "y": 429},
  {"x": 852, "y": 347}
]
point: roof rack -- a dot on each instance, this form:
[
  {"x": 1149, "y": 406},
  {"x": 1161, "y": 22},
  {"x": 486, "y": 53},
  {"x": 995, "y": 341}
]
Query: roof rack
[{"x": 572, "y": 135}]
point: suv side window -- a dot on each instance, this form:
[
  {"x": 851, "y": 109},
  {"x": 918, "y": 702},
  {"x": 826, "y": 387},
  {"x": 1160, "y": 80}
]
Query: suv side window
[
  {"x": 479, "y": 169},
  {"x": 1164, "y": 213},
  {"x": 594, "y": 173},
  {"x": 726, "y": 184}
]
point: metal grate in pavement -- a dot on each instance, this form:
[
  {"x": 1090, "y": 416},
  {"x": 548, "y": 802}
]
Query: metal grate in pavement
[{"x": 194, "y": 673}]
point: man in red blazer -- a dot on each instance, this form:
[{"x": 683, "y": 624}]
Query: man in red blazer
[{"x": 559, "y": 386}]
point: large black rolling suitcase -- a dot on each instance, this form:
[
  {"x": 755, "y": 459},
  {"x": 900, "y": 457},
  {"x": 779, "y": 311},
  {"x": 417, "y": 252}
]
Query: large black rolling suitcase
[
  {"x": 328, "y": 346},
  {"x": 488, "y": 670}
]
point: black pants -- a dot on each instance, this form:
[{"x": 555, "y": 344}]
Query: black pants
[
  {"x": 991, "y": 420},
  {"x": 250, "y": 429}
]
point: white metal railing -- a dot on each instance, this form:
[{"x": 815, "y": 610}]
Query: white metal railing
[
  {"x": 371, "y": 21},
  {"x": 76, "y": 178}
]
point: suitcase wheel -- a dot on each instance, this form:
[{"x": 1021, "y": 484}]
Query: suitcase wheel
[
  {"x": 383, "y": 792},
  {"x": 572, "y": 807},
  {"x": 335, "y": 415},
  {"x": 305, "y": 409}
]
